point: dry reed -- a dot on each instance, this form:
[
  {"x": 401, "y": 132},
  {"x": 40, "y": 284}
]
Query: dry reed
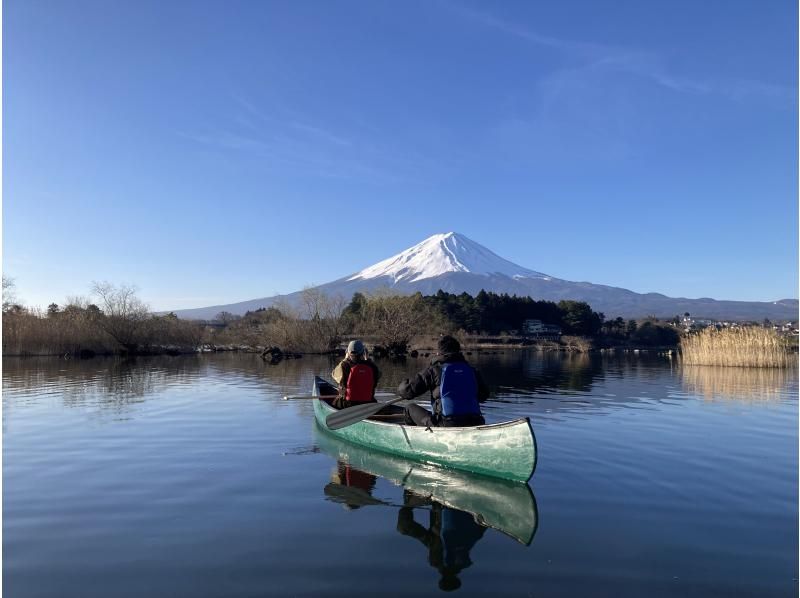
[{"x": 745, "y": 347}]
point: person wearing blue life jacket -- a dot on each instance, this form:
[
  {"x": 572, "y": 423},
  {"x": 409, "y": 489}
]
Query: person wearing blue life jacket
[
  {"x": 456, "y": 390},
  {"x": 357, "y": 376},
  {"x": 450, "y": 536}
]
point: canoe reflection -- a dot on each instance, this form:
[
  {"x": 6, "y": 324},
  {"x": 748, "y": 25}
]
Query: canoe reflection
[{"x": 452, "y": 496}]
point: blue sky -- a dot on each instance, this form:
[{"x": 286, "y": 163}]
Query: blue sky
[{"x": 212, "y": 152}]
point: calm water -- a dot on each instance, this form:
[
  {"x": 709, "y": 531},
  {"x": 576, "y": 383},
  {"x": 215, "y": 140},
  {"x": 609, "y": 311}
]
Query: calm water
[{"x": 189, "y": 476}]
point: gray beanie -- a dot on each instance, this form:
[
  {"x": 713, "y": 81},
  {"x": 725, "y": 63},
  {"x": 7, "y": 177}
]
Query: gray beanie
[{"x": 356, "y": 347}]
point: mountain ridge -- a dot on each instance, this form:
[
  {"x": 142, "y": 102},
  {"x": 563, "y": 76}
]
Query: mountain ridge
[{"x": 454, "y": 263}]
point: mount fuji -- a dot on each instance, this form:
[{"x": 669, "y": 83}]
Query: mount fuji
[{"x": 454, "y": 263}]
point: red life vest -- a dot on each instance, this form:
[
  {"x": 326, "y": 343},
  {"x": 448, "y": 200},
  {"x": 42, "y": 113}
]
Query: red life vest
[
  {"x": 360, "y": 383},
  {"x": 356, "y": 478}
]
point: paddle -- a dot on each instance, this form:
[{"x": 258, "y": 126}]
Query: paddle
[
  {"x": 308, "y": 397},
  {"x": 352, "y": 415},
  {"x": 351, "y": 495},
  {"x": 356, "y": 497}
]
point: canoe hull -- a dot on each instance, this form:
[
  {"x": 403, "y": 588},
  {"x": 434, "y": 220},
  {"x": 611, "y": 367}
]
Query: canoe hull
[{"x": 505, "y": 450}]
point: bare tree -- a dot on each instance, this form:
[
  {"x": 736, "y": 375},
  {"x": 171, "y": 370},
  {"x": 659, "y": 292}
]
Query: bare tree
[
  {"x": 9, "y": 293},
  {"x": 323, "y": 315},
  {"x": 395, "y": 319},
  {"x": 124, "y": 315},
  {"x": 226, "y": 317}
]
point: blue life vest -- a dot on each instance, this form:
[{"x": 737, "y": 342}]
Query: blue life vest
[
  {"x": 459, "y": 534},
  {"x": 459, "y": 390}
]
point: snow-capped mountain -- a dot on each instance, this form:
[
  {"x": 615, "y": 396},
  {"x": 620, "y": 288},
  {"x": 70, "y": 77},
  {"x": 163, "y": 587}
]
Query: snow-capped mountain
[
  {"x": 442, "y": 254},
  {"x": 456, "y": 264}
]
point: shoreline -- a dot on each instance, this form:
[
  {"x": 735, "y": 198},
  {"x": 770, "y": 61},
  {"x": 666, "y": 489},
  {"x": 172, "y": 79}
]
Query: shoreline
[{"x": 416, "y": 352}]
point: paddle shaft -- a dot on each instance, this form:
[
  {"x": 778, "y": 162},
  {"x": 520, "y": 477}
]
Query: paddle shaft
[
  {"x": 352, "y": 415},
  {"x": 309, "y": 397}
]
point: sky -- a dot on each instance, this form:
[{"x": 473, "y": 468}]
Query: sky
[{"x": 212, "y": 152}]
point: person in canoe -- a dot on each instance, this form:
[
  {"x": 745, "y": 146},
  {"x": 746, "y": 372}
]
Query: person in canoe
[
  {"x": 456, "y": 390},
  {"x": 450, "y": 536},
  {"x": 352, "y": 487},
  {"x": 357, "y": 376}
]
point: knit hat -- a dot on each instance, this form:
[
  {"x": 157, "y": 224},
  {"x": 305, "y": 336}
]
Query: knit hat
[
  {"x": 356, "y": 347},
  {"x": 447, "y": 344}
]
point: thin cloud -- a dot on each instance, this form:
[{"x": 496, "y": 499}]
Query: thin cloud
[
  {"x": 632, "y": 61},
  {"x": 562, "y": 45},
  {"x": 321, "y": 134},
  {"x": 289, "y": 139}
]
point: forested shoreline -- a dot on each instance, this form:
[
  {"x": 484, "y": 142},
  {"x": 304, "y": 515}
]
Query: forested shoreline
[{"x": 115, "y": 321}]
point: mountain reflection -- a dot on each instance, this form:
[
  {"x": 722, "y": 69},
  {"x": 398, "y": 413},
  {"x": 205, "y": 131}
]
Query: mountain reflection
[{"x": 447, "y": 511}]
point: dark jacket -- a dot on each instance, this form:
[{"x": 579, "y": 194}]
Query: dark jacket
[
  {"x": 430, "y": 380},
  {"x": 342, "y": 372},
  {"x": 449, "y": 538}
]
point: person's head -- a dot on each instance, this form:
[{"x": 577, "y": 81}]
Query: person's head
[
  {"x": 447, "y": 344},
  {"x": 449, "y": 582},
  {"x": 356, "y": 350}
]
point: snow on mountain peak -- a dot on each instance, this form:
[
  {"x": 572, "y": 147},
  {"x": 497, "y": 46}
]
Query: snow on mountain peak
[{"x": 441, "y": 254}]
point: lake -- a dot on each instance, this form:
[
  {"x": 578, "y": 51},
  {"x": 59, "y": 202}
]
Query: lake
[{"x": 190, "y": 476}]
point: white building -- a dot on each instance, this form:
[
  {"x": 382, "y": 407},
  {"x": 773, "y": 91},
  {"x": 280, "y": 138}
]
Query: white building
[{"x": 540, "y": 330}]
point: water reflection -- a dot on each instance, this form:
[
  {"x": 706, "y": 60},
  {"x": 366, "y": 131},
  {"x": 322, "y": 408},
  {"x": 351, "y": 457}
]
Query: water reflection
[
  {"x": 115, "y": 381},
  {"x": 571, "y": 371},
  {"x": 523, "y": 382},
  {"x": 460, "y": 506},
  {"x": 449, "y": 537},
  {"x": 352, "y": 487},
  {"x": 715, "y": 383},
  {"x": 195, "y": 481}
]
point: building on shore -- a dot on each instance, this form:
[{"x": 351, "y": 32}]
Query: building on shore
[{"x": 538, "y": 330}]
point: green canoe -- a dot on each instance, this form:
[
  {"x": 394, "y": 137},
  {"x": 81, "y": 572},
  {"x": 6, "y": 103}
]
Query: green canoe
[
  {"x": 503, "y": 450},
  {"x": 503, "y": 505}
]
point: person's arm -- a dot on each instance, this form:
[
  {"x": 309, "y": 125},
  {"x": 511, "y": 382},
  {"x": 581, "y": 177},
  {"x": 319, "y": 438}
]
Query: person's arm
[
  {"x": 376, "y": 372},
  {"x": 414, "y": 387},
  {"x": 338, "y": 373},
  {"x": 343, "y": 371},
  {"x": 408, "y": 527},
  {"x": 483, "y": 390}
]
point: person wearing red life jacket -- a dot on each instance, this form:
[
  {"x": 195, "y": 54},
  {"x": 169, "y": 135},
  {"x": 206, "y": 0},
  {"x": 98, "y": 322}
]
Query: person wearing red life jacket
[
  {"x": 455, "y": 388},
  {"x": 357, "y": 376},
  {"x": 352, "y": 487}
]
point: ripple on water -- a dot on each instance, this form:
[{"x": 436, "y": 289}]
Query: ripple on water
[{"x": 191, "y": 476}]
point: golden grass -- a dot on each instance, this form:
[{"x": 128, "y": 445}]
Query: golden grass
[
  {"x": 742, "y": 384},
  {"x": 744, "y": 347}
]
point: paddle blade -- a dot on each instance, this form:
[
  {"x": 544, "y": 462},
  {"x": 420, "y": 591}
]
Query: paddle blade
[
  {"x": 354, "y": 497},
  {"x": 352, "y": 415}
]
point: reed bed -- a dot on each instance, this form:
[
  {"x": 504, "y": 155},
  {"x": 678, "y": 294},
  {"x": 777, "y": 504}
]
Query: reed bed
[
  {"x": 752, "y": 385},
  {"x": 742, "y": 347}
]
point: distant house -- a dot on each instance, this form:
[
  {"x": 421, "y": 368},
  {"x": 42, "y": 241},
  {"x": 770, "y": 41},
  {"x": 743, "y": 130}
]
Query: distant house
[
  {"x": 539, "y": 330},
  {"x": 690, "y": 323}
]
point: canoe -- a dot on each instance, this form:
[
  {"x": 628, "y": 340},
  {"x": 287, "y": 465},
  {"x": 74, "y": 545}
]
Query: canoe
[
  {"x": 502, "y": 450},
  {"x": 504, "y": 505}
]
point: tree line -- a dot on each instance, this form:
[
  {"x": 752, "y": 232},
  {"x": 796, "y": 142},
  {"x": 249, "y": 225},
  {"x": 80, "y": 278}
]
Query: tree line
[
  {"x": 115, "y": 320},
  {"x": 493, "y": 313}
]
